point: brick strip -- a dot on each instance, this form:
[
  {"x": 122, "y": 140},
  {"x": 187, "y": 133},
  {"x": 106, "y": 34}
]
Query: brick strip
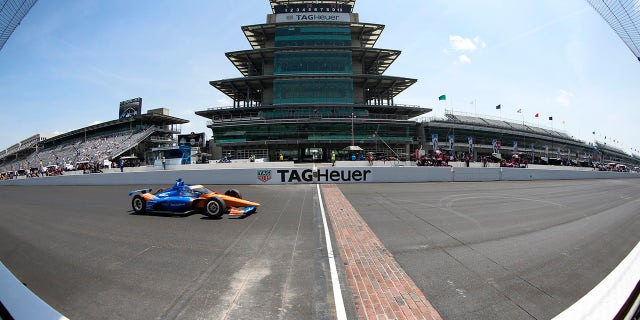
[{"x": 381, "y": 289}]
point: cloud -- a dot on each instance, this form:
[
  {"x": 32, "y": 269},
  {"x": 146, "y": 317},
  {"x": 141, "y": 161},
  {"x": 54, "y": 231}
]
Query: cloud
[
  {"x": 465, "y": 45},
  {"x": 564, "y": 98},
  {"x": 479, "y": 42},
  {"x": 464, "y": 59},
  {"x": 458, "y": 43}
]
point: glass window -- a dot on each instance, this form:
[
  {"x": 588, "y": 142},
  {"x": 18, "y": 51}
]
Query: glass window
[
  {"x": 289, "y": 91},
  {"x": 313, "y": 36},
  {"x": 313, "y": 62}
]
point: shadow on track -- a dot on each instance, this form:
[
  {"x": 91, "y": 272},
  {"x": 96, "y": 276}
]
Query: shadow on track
[{"x": 169, "y": 214}]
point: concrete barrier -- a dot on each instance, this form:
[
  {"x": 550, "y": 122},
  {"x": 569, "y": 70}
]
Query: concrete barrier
[
  {"x": 20, "y": 302},
  {"x": 324, "y": 174}
]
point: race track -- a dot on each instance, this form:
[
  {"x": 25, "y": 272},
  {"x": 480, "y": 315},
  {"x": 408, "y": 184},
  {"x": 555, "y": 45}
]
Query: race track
[
  {"x": 505, "y": 250},
  {"x": 491, "y": 250}
]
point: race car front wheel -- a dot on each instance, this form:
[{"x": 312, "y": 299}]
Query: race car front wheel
[
  {"x": 138, "y": 204},
  {"x": 214, "y": 207},
  {"x": 233, "y": 193}
]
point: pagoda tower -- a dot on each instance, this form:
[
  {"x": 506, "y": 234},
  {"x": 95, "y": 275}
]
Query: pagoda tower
[{"x": 313, "y": 84}]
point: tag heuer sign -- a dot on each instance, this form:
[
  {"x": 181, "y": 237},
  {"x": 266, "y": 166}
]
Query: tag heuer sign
[
  {"x": 313, "y": 17},
  {"x": 264, "y": 175}
]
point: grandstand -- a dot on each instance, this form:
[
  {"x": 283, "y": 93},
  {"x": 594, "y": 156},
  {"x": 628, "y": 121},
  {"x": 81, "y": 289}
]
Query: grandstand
[
  {"x": 97, "y": 145},
  {"x": 538, "y": 144}
]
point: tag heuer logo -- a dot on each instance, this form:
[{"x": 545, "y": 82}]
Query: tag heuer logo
[{"x": 264, "y": 175}]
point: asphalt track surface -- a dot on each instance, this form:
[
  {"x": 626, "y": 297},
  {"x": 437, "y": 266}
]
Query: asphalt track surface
[{"x": 490, "y": 250}]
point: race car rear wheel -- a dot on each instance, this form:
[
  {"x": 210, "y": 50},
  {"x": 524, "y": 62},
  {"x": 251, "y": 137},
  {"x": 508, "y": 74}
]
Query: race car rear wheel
[
  {"x": 139, "y": 204},
  {"x": 214, "y": 207},
  {"x": 233, "y": 193}
]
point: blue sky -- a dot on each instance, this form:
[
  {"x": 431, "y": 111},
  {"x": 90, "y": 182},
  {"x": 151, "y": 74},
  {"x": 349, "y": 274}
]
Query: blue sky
[{"x": 70, "y": 63}]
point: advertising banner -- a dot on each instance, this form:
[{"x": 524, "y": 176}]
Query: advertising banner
[
  {"x": 434, "y": 141},
  {"x": 192, "y": 139},
  {"x": 313, "y": 17},
  {"x": 130, "y": 108}
]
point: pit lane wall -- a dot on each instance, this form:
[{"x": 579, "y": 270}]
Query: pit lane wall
[{"x": 300, "y": 175}]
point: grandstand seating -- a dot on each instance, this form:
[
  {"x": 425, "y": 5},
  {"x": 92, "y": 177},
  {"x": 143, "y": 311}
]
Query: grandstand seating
[{"x": 95, "y": 150}]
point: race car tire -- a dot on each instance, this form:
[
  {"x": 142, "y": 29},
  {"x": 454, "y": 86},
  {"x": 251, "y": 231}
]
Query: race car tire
[
  {"x": 215, "y": 207},
  {"x": 233, "y": 193},
  {"x": 139, "y": 204}
]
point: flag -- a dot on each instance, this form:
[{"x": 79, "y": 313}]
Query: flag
[
  {"x": 498, "y": 107},
  {"x": 550, "y": 118},
  {"x": 519, "y": 110},
  {"x": 537, "y": 115},
  {"x": 442, "y": 97}
]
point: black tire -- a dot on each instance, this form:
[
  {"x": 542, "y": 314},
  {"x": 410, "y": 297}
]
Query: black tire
[
  {"x": 233, "y": 193},
  {"x": 139, "y": 204},
  {"x": 215, "y": 207}
]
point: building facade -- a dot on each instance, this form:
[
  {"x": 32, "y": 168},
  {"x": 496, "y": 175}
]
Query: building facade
[{"x": 312, "y": 85}]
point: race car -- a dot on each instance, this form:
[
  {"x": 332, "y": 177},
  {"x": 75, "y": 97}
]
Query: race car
[{"x": 183, "y": 198}]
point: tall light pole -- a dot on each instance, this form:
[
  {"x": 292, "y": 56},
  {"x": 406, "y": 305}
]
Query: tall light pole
[{"x": 352, "y": 141}]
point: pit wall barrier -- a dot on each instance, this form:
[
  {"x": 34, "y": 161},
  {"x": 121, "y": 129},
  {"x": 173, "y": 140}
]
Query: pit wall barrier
[{"x": 307, "y": 175}]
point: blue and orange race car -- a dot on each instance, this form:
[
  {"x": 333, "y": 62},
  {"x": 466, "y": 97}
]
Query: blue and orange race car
[{"x": 184, "y": 198}]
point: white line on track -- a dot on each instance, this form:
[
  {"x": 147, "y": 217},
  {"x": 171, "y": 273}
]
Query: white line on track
[{"x": 337, "y": 293}]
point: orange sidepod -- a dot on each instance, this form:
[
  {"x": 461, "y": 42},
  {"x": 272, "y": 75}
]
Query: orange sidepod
[
  {"x": 148, "y": 196},
  {"x": 232, "y": 201}
]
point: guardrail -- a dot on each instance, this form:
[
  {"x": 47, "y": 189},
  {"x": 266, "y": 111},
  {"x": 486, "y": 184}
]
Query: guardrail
[
  {"x": 280, "y": 173},
  {"x": 20, "y": 302},
  {"x": 615, "y": 297}
]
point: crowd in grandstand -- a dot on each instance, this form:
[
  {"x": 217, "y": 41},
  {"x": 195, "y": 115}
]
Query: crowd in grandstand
[{"x": 89, "y": 155}]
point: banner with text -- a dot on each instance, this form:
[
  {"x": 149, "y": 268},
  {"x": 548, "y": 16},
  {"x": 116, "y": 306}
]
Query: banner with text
[{"x": 313, "y": 17}]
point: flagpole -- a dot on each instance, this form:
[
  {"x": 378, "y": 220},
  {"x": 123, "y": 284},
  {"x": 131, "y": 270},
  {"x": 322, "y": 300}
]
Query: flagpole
[{"x": 475, "y": 104}]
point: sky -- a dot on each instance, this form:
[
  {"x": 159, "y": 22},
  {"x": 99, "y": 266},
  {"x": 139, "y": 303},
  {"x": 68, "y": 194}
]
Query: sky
[{"x": 70, "y": 63}]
